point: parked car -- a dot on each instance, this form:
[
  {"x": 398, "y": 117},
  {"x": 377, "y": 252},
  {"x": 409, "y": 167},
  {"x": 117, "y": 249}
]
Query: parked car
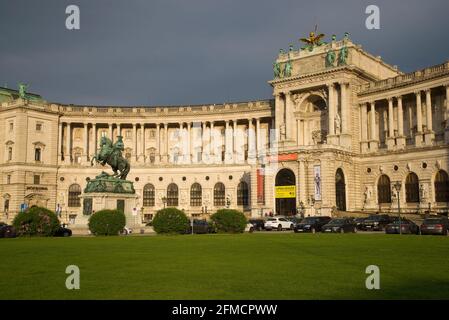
[
  {"x": 7, "y": 231},
  {"x": 278, "y": 224},
  {"x": 250, "y": 227},
  {"x": 199, "y": 226},
  {"x": 376, "y": 222},
  {"x": 406, "y": 227},
  {"x": 258, "y": 224},
  {"x": 63, "y": 232},
  {"x": 340, "y": 225},
  {"x": 359, "y": 222},
  {"x": 435, "y": 225},
  {"x": 312, "y": 224},
  {"x": 126, "y": 231},
  {"x": 294, "y": 219}
]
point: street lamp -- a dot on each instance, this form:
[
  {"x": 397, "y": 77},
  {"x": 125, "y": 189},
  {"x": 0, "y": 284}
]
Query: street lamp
[
  {"x": 164, "y": 201},
  {"x": 397, "y": 186}
]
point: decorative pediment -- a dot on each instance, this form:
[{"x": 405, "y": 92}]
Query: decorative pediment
[
  {"x": 9, "y": 142},
  {"x": 39, "y": 144}
]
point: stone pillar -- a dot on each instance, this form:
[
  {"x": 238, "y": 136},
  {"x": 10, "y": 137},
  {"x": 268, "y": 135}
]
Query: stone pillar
[
  {"x": 279, "y": 116},
  {"x": 288, "y": 116},
  {"x": 234, "y": 141},
  {"x": 364, "y": 127},
  {"x": 86, "y": 143},
  {"x": 331, "y": 137},
  {"x": 258, "y": 146},
  {"x": 110, "y": 132},
  {"x": 134, "y": 154},
  {"x": 189, "y": 143},
  {"x": 374, "y": 142},
  {"x": 251, "y": 136},
  {"x": 298, "y": 132},
  {"x": 345, "y": 116},
  {"x": 419, "y": 130},
  {"x": 158, "y": 143},
  {"x": 68, "y": 155},
  {"x": 119, "y": 130},
  {"x": 60, "y": 156},
  {"x": 212, "y": 148},
  {"x": 429, "y": 136},
  {"x": 95, "y": 139},
  {"x": 166, "y": 143},
  {"x": 302, "y": 182},
  {"x": 204, "y": 156},
  {"x": 142, "y": 142},
  {"x": 390, "y": 139},
  {"x": 446, "y": 118},
  {"x": 228, "y": 143},
  {"x": 400, "y": 140},
  {"x": 306, "y": 132}
]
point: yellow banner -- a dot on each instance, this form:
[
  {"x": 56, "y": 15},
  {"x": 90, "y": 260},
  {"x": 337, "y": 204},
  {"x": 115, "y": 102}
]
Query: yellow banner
[{"x": 285, "y": 192}]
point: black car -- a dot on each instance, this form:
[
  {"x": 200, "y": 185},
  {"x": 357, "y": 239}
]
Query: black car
[
  {"x": 376, "y": 222},
  {"x": 339, "y": 225},
  {"x": 257, "y": 223},
  {"x": 436, "y": 225},
  {"x": 359, "y": 222},
  {"x": 200, "y": 227},
  {"x": 311, "y": 224},
  {"x": 62, "y": 231},
  {"x": 406, "y": 226},
  {"x": 7, "y": 231}
]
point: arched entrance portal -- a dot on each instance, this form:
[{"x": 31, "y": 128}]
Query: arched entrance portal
[
  {"x": 285, "y": 192},
  {"x": 340, "y": 190}
]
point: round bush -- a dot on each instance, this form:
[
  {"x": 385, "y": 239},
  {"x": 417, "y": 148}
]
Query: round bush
[
  {"x": 170, "y": 220},
  {"x": 229, "y": 221},
  {"x": 36, "y": 221},
  {"x": 107, "y": 222}
]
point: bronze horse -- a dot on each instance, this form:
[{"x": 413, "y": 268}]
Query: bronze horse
[{"x": 111, "y": 154}]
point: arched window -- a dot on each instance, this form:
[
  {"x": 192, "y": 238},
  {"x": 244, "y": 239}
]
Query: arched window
[
  {"x": 219, "y": 194},
  {"x": 412, "y": 188},
  {"x": 441, "y": 186},
  {"x": 148, "y": 195},
  {"x": 74, "y": 193},
  {"x": 384, "y": 189},
  {"x": 196, "y": 195},
  {"x": 242, "y": 194},
  {"x": 172, "y": 195}
]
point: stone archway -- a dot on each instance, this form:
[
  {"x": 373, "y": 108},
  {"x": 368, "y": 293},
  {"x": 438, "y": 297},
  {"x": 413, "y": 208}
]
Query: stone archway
[
  {"x": 313, "y": 119},
  {"x": 285, "y": 192}
]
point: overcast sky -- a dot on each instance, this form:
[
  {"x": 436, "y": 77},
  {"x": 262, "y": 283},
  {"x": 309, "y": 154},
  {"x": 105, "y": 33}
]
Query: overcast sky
[{"x": 168, "y": 52}]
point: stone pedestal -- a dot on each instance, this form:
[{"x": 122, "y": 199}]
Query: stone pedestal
[
  {"x": 429, "y": 137},
  {"x": 373, "y": 145},
  {"x": 97, "y": 201},
  {"x": 333, "y": 139},
  {"x": 364, "y": 146},
  {"x": 418, "y": 139},
  {"x": 400, "y": 142},
  {"x": 391, "y": 143},
  {"x": 446, "y": 135},
  {"x": 345, "y": 140}
]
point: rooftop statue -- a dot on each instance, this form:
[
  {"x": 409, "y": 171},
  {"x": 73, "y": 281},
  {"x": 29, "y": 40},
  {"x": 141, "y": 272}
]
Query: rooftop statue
[
  {"x": 22, "y": 90},
  {"x": 330, "y": 58},
  {"x": 276, "y": 70},
  {"x": 314, "y": 40},
  {"x": 111, "y": 154}
]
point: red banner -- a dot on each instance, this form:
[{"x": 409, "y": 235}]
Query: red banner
[
  {"x": 283, "y": 157},
  {"x": 260, "y": 186}
]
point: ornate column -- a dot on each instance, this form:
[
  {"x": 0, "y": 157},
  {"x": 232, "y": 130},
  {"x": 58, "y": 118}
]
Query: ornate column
[
  {"x": 68, "y": 155},
  {"x": 86, "y": 143},
  {"x": 419, "y": 131},
  {"x": 204, "y": 156},
  {"x": 212, "y": 148},
  {"x": 390, "y": 139},
  {"x": 251, "y": 136},
  {"x": 142, "y": 142},
  {"x": 446, "y": 117},
  {"x": 302, "y": 181},
  {"x": 298, "y": 132},
  {"x": 374, "y": 141},
  {"x": 166, "y": 142},
  {"x": 60, "y": 157},
  {"x": 279, "y": 116},
  {"x": 110, "y": 132},
  {"x": 306, "y": 132},
  {"x": 189, "y": 142},
  {"x": 234, "y": 140},
  {"x": 400, "y": 140},
  {"x": 158, "y": 143},
  {"x": 228, "y": 144},
  {"x": 95, "y": 139},
  {"x": 331, "y": 137},
  {"x": 429, "y": 136},
  {"x": 288, "y": 116},
  {"x": 364, "y": 144},
  {"x": 345, "y": 116},
  {"x": 258, "y": 146},
  {"x": 134, "y": 154}
]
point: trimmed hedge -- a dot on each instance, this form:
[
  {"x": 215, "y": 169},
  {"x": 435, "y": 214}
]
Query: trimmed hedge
[
  {"x": 229, "y": 221},
  {"x": 171, "y": 220},
  {"x": 107, "y": 222},
  {"x": 36, "y": 221}
]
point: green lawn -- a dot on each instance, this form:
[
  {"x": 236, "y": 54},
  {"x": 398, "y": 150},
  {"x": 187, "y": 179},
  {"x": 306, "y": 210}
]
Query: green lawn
[{"x": 246, "y": 266}]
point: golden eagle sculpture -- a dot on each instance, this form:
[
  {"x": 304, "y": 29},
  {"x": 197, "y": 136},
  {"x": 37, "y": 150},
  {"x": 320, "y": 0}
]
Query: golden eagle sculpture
[{"x": 314, "y": 39}]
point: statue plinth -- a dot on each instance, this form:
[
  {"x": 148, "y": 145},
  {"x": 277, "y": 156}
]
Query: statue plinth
[{"x": 107, "y": 183}]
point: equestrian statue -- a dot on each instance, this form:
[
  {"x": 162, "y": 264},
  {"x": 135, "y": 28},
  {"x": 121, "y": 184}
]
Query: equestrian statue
[{"x": 111, "y": 154}]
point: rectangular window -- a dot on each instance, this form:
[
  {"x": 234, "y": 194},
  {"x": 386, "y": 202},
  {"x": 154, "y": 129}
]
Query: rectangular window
[
  {"x": 37, "y": 179},
  {"x": 38, "y": 126},
  {"x": 8, "y": 179},
  {"x": 11, "y": 126},
  {"x": 37, "y": 154}
]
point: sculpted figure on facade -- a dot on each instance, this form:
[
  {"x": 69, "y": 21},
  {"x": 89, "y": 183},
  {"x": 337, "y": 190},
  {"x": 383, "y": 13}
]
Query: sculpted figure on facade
[
  {"x": 337, "y": 123},
  {"x": 330, "y": 58}
]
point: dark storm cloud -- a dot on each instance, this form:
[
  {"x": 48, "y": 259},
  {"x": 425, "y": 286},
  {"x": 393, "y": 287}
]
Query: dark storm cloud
[{"x": 194, "y": 51}]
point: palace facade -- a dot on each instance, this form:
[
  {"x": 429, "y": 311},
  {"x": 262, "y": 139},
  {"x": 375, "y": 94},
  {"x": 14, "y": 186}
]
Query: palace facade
[{"x": 345, "y": 131}]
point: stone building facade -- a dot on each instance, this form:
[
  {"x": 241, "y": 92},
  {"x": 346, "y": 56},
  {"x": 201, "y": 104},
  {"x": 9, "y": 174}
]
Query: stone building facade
[{"x": 342, "y": 130}]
